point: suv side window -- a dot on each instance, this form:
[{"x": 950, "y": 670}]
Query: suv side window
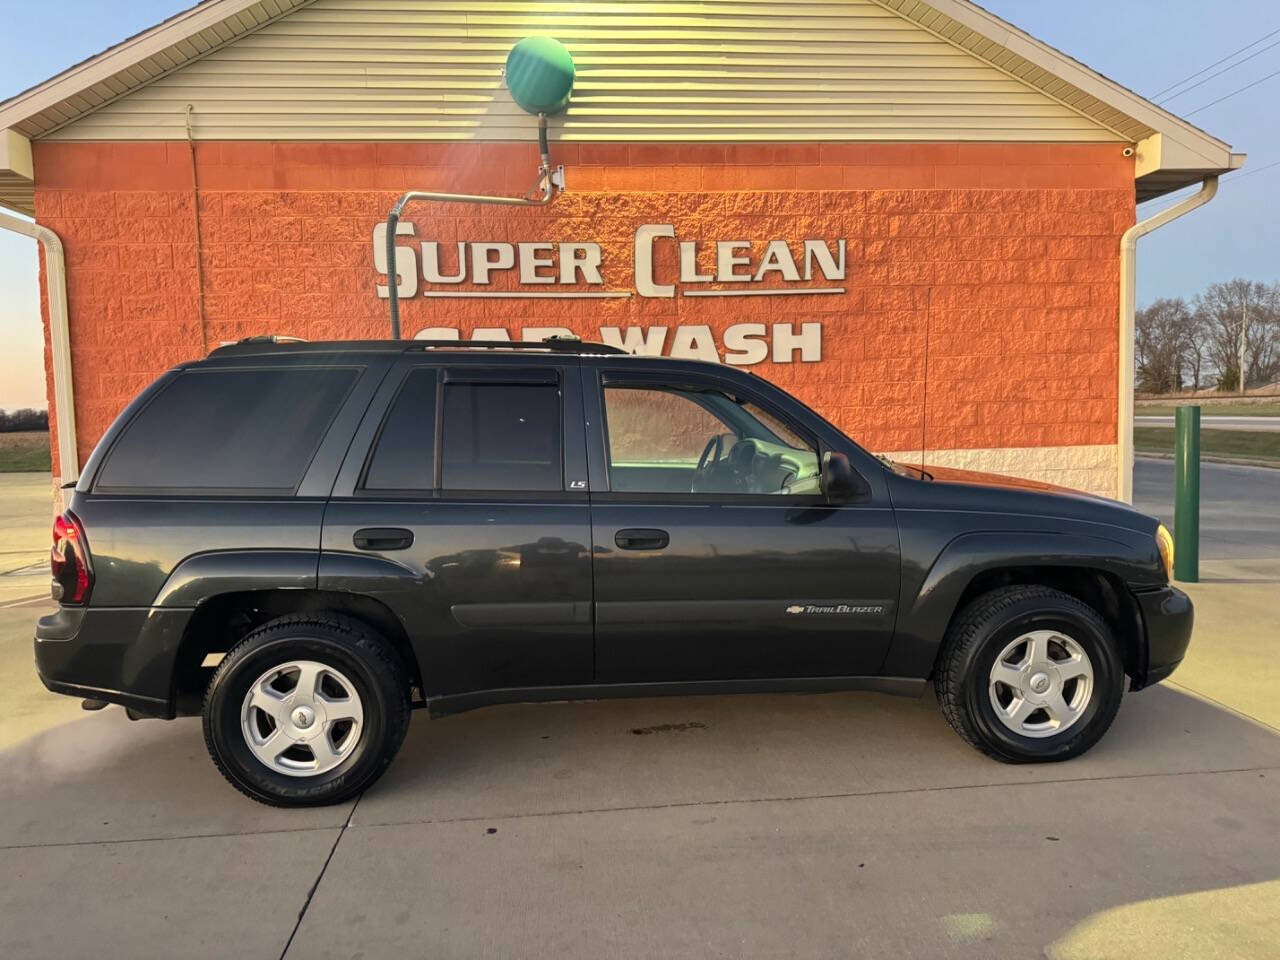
[
  {"x": 228, "y": 431},
  {"x": 404, "y": 454},
  {"x": 501, "y": 436},
  {"x": 670, "y": 440}
]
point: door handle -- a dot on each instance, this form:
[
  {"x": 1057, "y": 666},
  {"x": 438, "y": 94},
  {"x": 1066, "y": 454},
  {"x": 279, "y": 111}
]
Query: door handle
[
  {"x": 641, "y": 538},
  {"x": 383, "y": 538}
]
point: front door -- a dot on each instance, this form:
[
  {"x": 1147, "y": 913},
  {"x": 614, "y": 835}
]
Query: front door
[{"x": 716, "y": 555}]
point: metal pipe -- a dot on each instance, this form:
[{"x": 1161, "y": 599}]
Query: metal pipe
[
  {"x": 1128, "y": 306},
  {"x": 545, "y": 186},
  {"x": 55, "y": 267},
  {"x": 1186, "y": 497}
]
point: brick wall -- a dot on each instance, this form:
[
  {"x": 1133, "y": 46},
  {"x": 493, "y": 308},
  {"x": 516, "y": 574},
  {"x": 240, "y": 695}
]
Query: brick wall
[{"x": 1006, "y": 255}]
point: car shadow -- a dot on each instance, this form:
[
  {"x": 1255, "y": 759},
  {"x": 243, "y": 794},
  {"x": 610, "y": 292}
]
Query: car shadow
[{"x": 539, "y": 758}]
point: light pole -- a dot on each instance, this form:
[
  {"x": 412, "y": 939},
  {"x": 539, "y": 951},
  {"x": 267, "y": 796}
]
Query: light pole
[{"x": 1244, "y": 325}]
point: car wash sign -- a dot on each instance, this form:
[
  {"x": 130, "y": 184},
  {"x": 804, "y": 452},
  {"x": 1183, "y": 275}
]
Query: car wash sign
[{"x": 576, "y": 271}]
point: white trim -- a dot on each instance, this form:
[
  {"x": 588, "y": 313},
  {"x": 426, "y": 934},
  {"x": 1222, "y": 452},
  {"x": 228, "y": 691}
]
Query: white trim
[
  {"x": 64, "y": 406},
  {"x": 1072, "y": 71},
  {"x": 957, "y": 22},
  {"x": 1128, "y": 306},
  {"x": 15, "y": 154},
  {"x": 128, "y": 53}
]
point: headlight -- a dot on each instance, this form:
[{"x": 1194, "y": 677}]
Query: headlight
[{"x": 1164, "y": 541}]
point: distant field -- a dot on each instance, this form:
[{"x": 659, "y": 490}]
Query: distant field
[
  {"x": 1219, "y": 443},
  {"x": 24, "y": 452},
  {"x": 1208, "y": 408}
]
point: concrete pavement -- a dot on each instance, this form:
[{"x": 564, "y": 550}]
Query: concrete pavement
[
  {"x": 1239, "y": 506},
  {"x": 836, "y": 825},
  {"x": 26, "y": 523},
  {"x": 809, "y": 826}
]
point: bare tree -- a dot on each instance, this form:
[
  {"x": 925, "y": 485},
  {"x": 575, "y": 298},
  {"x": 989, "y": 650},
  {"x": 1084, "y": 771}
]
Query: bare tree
[
  {"x": 1224, "y": 309},
  {"x": 1262, "y": 363},
  {"x": 1165, "y": 345}
]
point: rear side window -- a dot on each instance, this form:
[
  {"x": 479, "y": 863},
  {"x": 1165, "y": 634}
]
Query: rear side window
[
  {"x": 229, "y": 431},
  {"x": 501, "y": 436},
  {"x": 404, "y": 458}
]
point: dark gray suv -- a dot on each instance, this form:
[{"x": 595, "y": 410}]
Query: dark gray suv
[{"x": 303, "y": 541}]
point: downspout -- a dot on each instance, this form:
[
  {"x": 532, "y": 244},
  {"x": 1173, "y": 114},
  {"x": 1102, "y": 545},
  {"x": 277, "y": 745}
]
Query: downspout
[
  {"x": 540, "y": 194},
  {"x": 59, "y": 337},
  {"x": 1128, "y": 305}
]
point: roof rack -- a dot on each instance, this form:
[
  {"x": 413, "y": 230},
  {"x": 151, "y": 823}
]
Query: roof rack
[
  {"x": 554, "y": 344},
  {"x": 269, "y": 338}
]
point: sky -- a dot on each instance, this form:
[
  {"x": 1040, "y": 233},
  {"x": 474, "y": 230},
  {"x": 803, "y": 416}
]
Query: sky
[{"x": 1146, "y": 45}]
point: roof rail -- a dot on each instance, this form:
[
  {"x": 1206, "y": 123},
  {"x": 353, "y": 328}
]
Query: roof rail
[
  {"x": 553, "y": 344},
  {"x": 271, "y": 338}
]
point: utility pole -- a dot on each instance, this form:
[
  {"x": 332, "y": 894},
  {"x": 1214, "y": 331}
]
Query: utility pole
[{"x": 1244, "y": 325}]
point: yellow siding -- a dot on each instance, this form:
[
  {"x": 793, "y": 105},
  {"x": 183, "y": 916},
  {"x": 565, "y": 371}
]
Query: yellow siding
[{"x": 721, "y": 71}]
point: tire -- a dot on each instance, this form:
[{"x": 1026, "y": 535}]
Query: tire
[
  {"x": 359, "y": 711},
  {"x": 989, "y": 713}
]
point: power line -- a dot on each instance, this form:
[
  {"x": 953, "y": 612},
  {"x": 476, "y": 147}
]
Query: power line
[
  {"x": 1250, "y": 173},
  {"x": 1228, "y": 96},
  {"x": 1188, "y": 191},
  {"x": 1256, "y": 53},
  {"x": 1214, "y": 64}
]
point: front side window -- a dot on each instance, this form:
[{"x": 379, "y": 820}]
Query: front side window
[
  {"x": 667, "y": 440},
  {"x": 501, "y": 436},
  {"x": 212, "y": 430}
]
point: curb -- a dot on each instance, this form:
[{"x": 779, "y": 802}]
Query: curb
[{"x": 1234, "y": 461}]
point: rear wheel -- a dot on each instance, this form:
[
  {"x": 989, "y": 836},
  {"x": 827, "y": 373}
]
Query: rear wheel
[
  {"x": 306, "y": 710},
  {"x": 1029, "y": 674}
]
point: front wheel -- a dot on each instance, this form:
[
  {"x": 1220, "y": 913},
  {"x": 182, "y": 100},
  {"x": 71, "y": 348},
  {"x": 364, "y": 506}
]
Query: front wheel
[
  {"x": 1029, "y": 674},
  {"x": 306, "y": 710}
]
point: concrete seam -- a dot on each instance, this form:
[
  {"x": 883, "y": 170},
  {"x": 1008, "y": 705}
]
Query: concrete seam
[
  {"x": 819, "y": 796},
  {"x": 181, "y": 836},
  {"x": 320, "y": 876}
]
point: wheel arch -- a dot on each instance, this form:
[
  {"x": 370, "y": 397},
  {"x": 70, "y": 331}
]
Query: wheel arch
[
  {"x": 1099, "y": 589},
  {"x": 1093, "y": 569},
  {"x": 222, "y": 620}
]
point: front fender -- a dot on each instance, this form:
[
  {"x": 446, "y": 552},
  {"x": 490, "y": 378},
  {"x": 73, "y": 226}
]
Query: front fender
[{"x": 927, "y": 611}]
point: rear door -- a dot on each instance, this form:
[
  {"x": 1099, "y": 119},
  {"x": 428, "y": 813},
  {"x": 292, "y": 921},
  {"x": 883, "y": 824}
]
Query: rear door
[
  {"x": 716, "y": 556},
  {"x": 456, "y": 508}
]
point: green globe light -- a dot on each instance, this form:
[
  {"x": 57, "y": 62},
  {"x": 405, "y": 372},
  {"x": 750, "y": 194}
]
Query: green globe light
[{"x": 540, "y": 75}]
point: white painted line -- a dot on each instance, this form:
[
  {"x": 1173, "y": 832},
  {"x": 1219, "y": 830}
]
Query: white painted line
[
  {"x": 517, "y": 295},
  {"x": 771, "y": 292},
  {"x": 38, "y": 599}
]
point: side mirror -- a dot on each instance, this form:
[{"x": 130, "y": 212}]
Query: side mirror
[{"x": 838, "y": 480}]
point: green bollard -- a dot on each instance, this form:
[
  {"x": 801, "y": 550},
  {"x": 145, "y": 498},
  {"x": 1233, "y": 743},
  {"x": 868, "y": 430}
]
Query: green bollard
[{"x": 1186, "y": 502}]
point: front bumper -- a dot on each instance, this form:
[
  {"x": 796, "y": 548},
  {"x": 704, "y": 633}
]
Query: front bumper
[
  {"x": 123, "y": 655},
  {"x": 1167, "y": 618}
]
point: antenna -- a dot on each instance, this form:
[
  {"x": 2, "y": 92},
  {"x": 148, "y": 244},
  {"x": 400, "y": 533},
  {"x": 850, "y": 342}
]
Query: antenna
[{"x": 924, "y": 392}]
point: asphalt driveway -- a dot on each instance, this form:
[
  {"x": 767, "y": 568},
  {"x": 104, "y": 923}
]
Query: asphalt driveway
[{"x": 834, "y": 825}]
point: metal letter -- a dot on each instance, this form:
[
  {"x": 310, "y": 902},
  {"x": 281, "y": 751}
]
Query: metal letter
[
  {"x": 481, "y": 265},
  {"x": 645, "y": 236}
]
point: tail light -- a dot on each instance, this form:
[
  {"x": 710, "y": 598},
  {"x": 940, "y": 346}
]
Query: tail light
[{"x": 69, "y": 561}]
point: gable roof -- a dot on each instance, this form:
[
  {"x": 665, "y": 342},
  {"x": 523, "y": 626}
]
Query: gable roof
[{"x": 1171, "y": 152}]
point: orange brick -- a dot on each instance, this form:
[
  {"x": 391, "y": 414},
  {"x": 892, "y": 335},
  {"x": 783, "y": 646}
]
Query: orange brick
[{"x": 1016, "y": 280}]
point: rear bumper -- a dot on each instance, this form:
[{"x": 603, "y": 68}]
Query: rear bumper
[
  {"x": 1167, "y": 618},
  {"x": 123, "y": 655}
]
